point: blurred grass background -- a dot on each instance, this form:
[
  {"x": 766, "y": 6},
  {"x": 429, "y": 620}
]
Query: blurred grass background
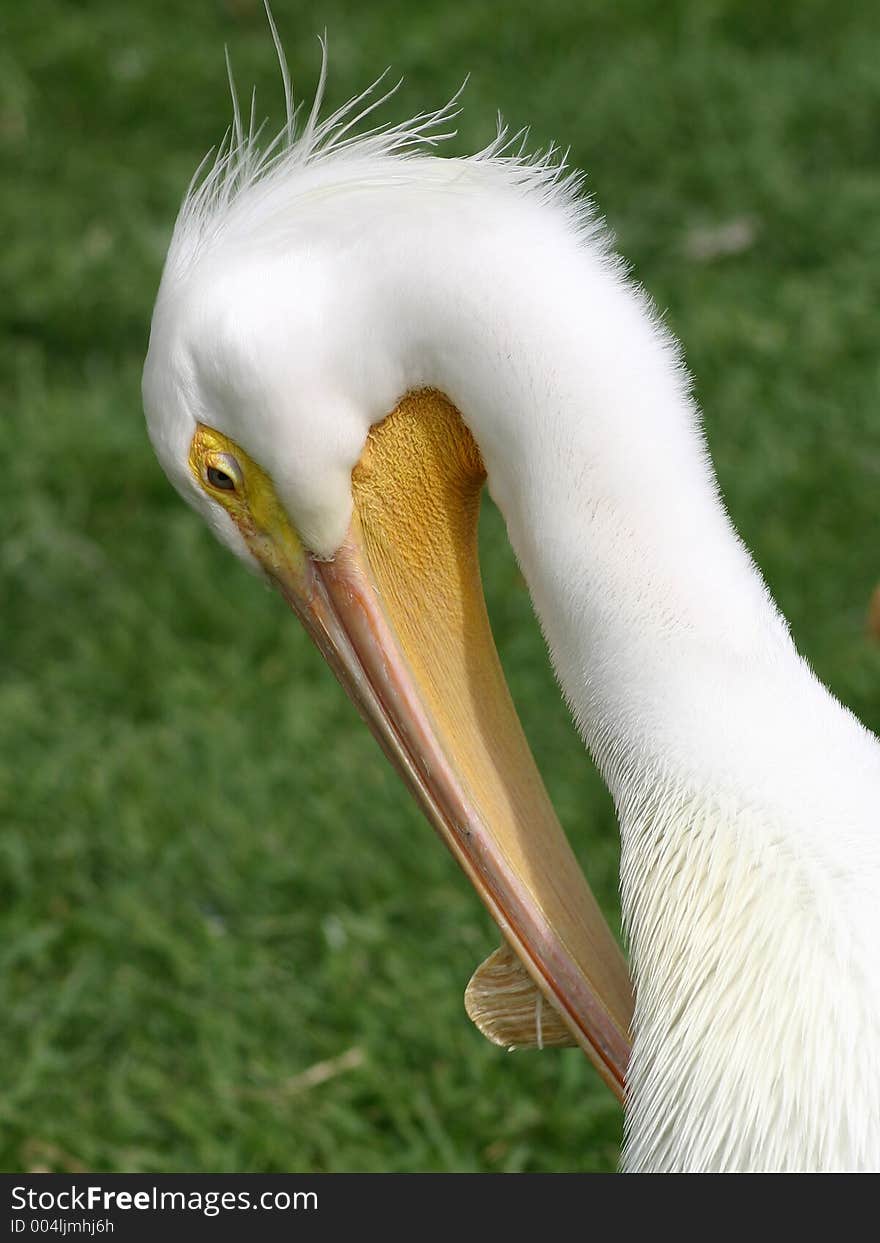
[{"x": 211, "y": 882}]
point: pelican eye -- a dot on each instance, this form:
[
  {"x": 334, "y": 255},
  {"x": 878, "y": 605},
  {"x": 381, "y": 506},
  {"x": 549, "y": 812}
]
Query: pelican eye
[
  {"x": 220, "y": 479},
  {"x": 223, "y": 474}
]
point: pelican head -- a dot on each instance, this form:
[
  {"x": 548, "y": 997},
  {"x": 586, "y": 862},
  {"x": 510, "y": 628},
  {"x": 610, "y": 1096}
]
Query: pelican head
[{"x": 297, "y": 394}]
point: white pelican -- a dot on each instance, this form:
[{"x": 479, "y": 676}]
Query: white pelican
[{"x": 350, "y": 334}]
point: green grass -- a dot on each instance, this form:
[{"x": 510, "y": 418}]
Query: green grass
[{"x": 210, "y": 880}]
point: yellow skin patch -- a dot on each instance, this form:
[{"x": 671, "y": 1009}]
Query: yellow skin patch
[
  {"x": 251, "y": 502},
  {"x": 416, "y": 497}
]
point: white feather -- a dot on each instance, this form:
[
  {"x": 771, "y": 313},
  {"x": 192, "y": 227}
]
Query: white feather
[{"x": 310, "y": 283}]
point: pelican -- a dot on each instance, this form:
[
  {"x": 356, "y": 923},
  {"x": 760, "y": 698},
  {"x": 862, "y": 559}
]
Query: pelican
[{"x": 352, "y": 333}]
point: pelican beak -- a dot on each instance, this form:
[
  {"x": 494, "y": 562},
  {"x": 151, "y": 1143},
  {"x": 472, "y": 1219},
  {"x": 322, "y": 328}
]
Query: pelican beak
[{"x": 400, "y": 617}]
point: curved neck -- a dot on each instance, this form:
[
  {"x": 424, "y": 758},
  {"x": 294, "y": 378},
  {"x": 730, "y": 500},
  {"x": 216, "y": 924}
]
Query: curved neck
[{"x": 715, "y": 740}]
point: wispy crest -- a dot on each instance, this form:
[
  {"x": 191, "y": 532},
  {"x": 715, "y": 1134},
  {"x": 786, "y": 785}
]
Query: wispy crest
[{"x": 243, "y": 161}]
